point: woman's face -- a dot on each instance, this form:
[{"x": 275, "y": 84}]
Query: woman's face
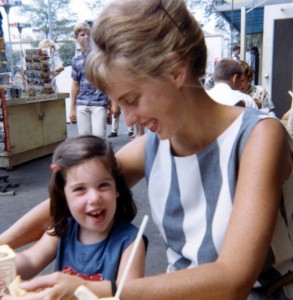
[
  {"x": 154, "y": 104},
  {"x": 91, "y": 195}
]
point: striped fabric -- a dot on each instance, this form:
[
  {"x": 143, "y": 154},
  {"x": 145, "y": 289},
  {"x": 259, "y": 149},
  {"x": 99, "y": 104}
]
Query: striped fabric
[
  {"x": 191, "y": 199},
  {"x": 88, "y": 95}
]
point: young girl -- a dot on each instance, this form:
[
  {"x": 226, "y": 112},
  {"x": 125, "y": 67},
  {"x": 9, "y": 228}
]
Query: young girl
[{"x": 91, "y": 208}]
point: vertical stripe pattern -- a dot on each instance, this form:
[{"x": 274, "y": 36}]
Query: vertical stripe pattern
[{"x": 191, "y": 199}]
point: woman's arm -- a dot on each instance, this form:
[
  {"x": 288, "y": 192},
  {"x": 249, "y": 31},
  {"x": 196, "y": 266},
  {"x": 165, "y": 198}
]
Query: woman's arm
[
  {"x": 34, "y": 259},
  {"x": 28, "y": 228},
  {"x": 73, "y": 96}
]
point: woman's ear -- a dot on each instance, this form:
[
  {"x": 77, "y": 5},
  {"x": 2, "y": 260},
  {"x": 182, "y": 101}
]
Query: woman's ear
[
  {"x": 178, "y": 75},
  {"x": 178, "y": 71}
]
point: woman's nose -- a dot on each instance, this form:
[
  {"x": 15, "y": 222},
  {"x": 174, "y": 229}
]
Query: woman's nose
[{"x": 130, "y": 117}]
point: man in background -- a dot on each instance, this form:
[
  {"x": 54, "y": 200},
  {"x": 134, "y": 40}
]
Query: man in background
[
  {"x": 88, "y": 104},
  {"x": 227, "y": 77}
]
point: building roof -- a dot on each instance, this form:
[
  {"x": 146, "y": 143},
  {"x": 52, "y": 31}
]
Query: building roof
[{"x": 254, "y": 13}]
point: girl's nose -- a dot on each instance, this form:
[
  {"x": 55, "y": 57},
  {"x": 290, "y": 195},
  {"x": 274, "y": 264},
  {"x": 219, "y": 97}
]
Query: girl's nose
[{"x": 93, "y": 196}]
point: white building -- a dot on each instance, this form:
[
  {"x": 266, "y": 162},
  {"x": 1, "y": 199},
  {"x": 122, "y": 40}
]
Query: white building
[{"x": 273, "y": 19}]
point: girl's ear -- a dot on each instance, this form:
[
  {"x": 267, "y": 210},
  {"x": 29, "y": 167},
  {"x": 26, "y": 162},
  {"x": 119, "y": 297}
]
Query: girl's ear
[{"x": 117, "y": 194}]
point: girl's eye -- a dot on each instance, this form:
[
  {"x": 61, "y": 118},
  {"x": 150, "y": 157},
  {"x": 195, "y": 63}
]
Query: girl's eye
[
  {"x": 78, "y": 189},
  {"x": 104, "y": 185}
]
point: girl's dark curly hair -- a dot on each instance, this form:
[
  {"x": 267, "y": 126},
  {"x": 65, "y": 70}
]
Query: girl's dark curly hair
[{"x": 73, "y": 152}]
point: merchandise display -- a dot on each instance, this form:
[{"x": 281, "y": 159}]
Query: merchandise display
[
  {"x": 4, "y": 71},
  {"x": 38, "y": 75},
  {"x": 4, "y": 83},
  {"x": 29, "y": 105}
]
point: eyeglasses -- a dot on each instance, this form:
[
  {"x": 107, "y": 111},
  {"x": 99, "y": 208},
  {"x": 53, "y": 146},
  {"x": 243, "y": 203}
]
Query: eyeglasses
[{"x": 160, "y": 6}]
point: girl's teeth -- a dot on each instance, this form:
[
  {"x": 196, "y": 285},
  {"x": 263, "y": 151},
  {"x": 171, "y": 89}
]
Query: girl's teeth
[{"x": 95, "y": 213}]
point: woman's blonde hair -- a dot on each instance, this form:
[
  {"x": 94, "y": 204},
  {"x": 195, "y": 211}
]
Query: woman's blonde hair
[
  {"x": 47, "y": 44},
  {"x": 145, "y": 37}
]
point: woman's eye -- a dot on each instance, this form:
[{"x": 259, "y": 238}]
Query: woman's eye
[{"x": 131, "y": 101}]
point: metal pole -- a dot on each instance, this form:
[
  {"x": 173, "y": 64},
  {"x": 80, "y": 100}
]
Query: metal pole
[
  {"x": 243, "y": 34},
  {"x": 19, "y": 27},
  {"x": 50, "y": 20},
  {"x": 231, "y": 27},
  {"x": 7, "y": 8}
]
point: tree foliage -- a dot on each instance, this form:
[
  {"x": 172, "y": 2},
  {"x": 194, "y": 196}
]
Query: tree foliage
[
  {"x": 94, "y": 7},
  {"x": 66, "y": 52},
  {"x": 208, "y": 9},
  {"x": 62, "y": 22}
]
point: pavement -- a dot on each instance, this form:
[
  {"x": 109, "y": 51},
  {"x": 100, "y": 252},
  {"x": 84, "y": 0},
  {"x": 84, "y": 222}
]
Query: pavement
[{"x": 32, "y": 178}]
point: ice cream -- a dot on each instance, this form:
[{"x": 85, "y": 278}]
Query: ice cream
[{"x": 7, "y": 266}]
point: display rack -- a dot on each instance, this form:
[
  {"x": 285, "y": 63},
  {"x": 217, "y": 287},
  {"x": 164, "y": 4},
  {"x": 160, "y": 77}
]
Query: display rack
[
  {"x": 4, "y": 146},
  {"x": 4, "y": 129},
  {"x": 38, "y": 72},
  {"x": 4, "y": 72},
  {"x": 7, "y": 5}
]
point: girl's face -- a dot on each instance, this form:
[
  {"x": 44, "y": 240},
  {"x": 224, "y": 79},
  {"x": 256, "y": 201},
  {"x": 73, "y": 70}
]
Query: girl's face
[
  {"x": 91, "y": 195},
  {"x": 155, "y": 104}
]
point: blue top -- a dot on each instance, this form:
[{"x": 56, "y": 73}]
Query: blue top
[
  {"x": 88, "y": 95},
  {"x": 101, "y": 258},
  {"x": 192, "y": 198}
]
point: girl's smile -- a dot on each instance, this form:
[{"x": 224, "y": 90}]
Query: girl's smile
[{"x": 91, "y": 197}]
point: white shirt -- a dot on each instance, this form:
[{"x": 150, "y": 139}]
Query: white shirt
[{"x": 222, "y": 93}]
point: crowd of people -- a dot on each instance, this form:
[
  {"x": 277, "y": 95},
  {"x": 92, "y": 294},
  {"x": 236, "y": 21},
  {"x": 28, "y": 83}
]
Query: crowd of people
[{"x": 221, "y": 201}]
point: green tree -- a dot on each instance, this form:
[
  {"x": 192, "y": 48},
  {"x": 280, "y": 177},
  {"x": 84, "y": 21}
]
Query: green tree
[
  {"x": 94, "y": 6},
  {"x": 66, "y": 52},
  {"x": 208, "y": 9},
  {"x": 62, "y": 21}
]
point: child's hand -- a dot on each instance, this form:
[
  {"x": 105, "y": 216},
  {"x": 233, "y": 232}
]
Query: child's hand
[{"x": 55, "y": 286}]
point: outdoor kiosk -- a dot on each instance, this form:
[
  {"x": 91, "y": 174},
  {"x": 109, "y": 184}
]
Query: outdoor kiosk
[{"x": 31, "y": 127}]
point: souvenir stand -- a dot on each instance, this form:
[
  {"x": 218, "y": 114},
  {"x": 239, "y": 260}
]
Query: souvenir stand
[{"x": 32, "y": 115}]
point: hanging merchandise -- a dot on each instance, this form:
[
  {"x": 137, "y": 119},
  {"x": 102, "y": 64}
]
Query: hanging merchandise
[
  {"x": 4, "y": 72},
  {"x": 38, "y": 75}
]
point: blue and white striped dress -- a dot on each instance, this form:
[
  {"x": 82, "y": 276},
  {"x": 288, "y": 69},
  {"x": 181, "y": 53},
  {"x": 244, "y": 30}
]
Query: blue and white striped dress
[{"x": 191, "y": 200}]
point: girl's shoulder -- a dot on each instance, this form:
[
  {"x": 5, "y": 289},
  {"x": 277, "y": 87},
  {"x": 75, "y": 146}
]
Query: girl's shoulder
[{"x": 125, "y": 233}]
